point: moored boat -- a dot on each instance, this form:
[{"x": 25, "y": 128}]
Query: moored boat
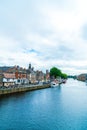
[
  {"x": 54, "y": 84},
  {"x": 64, "y": 81}
]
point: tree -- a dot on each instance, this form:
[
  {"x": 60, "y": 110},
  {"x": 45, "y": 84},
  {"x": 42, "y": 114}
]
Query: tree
[
  {"x": 54, "y": 72},
  {"x": 64, "y": 76}
]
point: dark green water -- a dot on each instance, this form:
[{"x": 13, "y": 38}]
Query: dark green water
[{"x": 62, "y": 108}]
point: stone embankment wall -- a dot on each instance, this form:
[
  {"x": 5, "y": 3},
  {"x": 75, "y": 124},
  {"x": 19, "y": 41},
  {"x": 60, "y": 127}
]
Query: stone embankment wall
[{"x": 23, "y": 89}]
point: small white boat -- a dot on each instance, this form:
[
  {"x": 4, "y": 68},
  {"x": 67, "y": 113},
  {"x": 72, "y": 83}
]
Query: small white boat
[{"x": 54, "y": 84}]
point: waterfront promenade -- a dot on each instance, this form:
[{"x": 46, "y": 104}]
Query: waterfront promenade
[{"x": 22, "y": 88}]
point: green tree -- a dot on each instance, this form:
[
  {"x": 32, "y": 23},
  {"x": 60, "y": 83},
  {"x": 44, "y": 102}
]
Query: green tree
[
  {"x": 64, "y": 76},
  {"x": 55, "y": 72}
]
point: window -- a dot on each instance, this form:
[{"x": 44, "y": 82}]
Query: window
[{"x": 18, "y": 80}]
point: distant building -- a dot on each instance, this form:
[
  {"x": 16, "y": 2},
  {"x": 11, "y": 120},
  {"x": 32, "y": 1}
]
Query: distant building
[
  {"x": 47, "y": 75},
  {"x": 17, "y": 74},
  {"x": 82, "y": 77},
  {"x": 1, "y": 79},
  {"x": 31, "y": 74},
  {"x": 39, "y": 75},
  {"x": 8, "y": 79}
]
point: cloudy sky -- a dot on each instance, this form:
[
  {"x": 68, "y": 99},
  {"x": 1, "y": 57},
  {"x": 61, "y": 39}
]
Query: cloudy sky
[{"x": 44, "y": 33}]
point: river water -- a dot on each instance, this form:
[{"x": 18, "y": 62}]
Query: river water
[{"x": 60, "y": 108}]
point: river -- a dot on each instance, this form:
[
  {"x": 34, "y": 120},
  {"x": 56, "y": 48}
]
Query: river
[{"x": 60, "y": 108}]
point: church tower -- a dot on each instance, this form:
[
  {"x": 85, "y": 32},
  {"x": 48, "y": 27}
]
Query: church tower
[{"x": 29, "y": 67}]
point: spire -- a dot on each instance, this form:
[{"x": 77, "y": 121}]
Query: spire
[{"x": 30, "y": 66}]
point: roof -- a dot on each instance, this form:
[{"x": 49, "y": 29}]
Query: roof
[{"x": 9, "y": 75}]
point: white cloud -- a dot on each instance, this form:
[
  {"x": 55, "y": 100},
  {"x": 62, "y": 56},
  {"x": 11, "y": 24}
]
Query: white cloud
[{"x": 53, "y": 31}]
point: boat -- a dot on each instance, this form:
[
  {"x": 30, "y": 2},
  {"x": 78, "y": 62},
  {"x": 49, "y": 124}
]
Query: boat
[
  {"x": 64, "y": 81},
  {"x": 54, "y": 84}
]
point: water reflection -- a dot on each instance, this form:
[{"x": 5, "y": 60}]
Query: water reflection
[{"x": 59, "y": 87}]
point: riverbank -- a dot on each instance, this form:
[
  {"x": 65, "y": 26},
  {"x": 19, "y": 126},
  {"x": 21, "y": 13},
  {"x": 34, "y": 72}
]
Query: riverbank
[{"x": 23, "y": 88}]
